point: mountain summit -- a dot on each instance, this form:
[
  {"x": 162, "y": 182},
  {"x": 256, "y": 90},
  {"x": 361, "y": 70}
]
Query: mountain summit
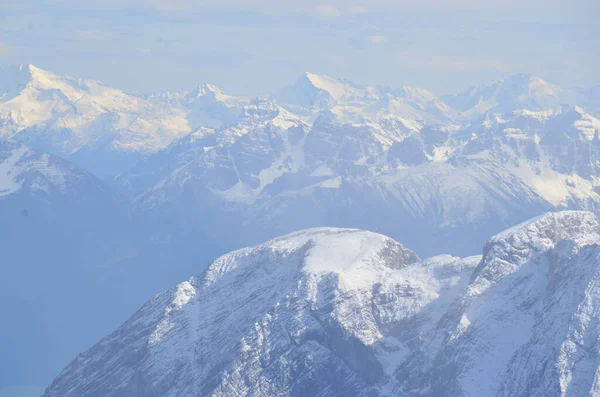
[
  {"x": 321, "y": 92},
  {"x": 346, "y": 312},
  {"x": 312, "y": 93},
  {"x": 101, "y": 128},
  {"x": 520, "y": 91}
]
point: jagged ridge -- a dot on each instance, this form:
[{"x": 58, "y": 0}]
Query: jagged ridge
[{"x": 335, "y": 311}]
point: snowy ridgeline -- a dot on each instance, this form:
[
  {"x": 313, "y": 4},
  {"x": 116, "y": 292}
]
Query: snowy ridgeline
[
  {"x": 330, "y": 312},
  {"x": 493, "y": 155}
]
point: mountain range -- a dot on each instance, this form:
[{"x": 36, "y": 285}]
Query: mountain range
[{"x": 121, "y": 189}]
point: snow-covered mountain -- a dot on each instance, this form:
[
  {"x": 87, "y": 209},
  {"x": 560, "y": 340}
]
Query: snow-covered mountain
[
  {"x": 259, "y": 130},
  {"x": 103, "y": 129},
  {"x": 345, "y": 312},
  {"x": 518, "y": 92},
  {"x": 24, "y": 169},
  {"x": 206, "y": 106},
  {"x": 442, "y": 181},
  {"x": 527, "y": 323},
  {"x": 312, "y": 93},
  {"x": 99, "y": 127},
  {"x": 556, "y": 152}
]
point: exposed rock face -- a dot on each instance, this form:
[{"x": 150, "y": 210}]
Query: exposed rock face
[
  {"x": 527, "y": 323},
  {"x": 345, "y": 312}
]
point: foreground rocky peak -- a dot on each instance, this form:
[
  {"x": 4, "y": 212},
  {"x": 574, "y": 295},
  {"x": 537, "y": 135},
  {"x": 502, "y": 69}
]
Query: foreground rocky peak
[
  {"x": 297, "y": 315},
  {"x": 338, "y": 311},
  {"x": 347, "y": 312},
  {"x": 343, "y": 252},
  {"x": 546, "y": 231},
  {"x": 526, "y": 325}
]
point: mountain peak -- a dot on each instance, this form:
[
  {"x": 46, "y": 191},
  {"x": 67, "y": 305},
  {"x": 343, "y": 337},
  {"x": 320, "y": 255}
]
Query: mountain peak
[
  {"x": 319, "y": 91},
  {"x": 27, "y": 75},
  {"x": 311, "y": 296},
  {"x": 38, "y": 74},
  {"x": 338, "y": 251},
  {"x": 337, "y": 88},
  {"x": 313, "y": 77},
  {"x": 551, "y": 228},
  {"x": 530, "y": 82},
  {"x": 206, "y": 90},
  {"x": 31, "y": 68},
  {"x": 323, "y": 82},
  {"x": 519, "y": 91},
  {"x": 507, "y": 251}
]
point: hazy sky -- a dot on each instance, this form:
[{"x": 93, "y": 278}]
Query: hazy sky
[{"x": 252, "y": 47}]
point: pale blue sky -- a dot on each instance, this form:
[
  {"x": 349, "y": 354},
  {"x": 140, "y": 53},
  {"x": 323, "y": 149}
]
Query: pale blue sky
[{"x": 252, "y": 47}]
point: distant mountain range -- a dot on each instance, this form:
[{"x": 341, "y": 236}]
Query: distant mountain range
[{"x": 115, "y": 189}]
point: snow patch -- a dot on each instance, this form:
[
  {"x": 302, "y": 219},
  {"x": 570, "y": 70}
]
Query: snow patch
[{"x": 9, "y": 171}]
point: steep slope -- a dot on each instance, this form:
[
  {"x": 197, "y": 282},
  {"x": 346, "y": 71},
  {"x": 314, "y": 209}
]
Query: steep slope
[
  {"x": 454, "y": 207},
  {"x": 556, "y": 152},
  {"x": 25, "y": 170},
  {"x": 103, "y": 129},
  {"x": 323, "y": 92},
  {"x": 516, "y": 92},
  {"x": 252, "y": 151},
  {"x": 337, "y": 311},
  {"x": 311, "y": 313},
  {"x": 444, "y": 181},
  {"x": 375, "y": 175},
  {"x": 206, "y": 106},
  {"x": 528, "y": 322}
]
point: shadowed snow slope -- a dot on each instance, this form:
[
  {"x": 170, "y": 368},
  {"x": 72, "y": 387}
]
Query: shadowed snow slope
[{"x": 347, "y": 312}]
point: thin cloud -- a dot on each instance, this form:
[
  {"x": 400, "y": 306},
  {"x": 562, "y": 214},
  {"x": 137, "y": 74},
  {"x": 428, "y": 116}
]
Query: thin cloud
[
  {"x": 328, "y": 11},
  {"x": 91, "y": 34},
  {"x": 363, "y": 42},
  {"x": 378, "y": 5},
  {"x": 6, "y": 49},
  {"x": 359, "y": 10},
  {"x": 172, "y": 5},
  {"x": 377, "y": 40},
  {"x": 412, "y": 60}
]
